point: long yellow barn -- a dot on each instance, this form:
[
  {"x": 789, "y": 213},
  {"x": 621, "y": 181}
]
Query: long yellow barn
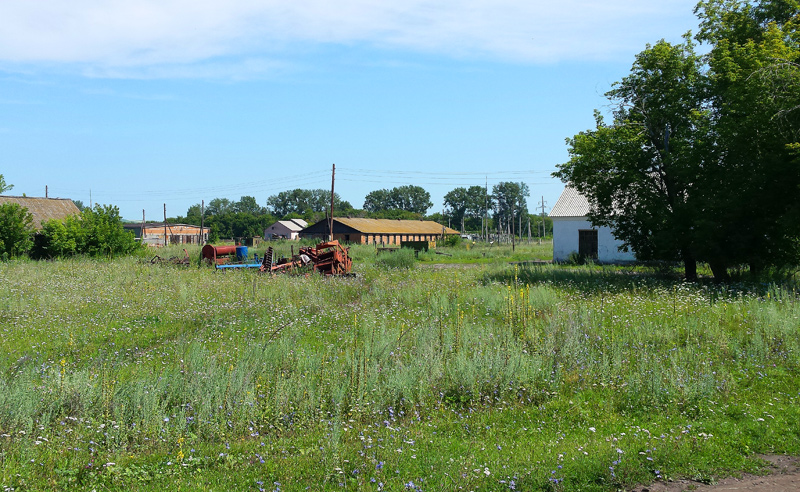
[{"x": 378, "y": 231}]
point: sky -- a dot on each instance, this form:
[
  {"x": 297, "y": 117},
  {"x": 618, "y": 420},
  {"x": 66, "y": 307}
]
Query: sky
[{"x": 158, "y": 103}]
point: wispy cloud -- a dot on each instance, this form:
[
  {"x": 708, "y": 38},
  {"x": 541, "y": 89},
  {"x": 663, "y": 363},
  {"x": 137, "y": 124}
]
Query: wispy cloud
[{"x": 181, "y": 38}]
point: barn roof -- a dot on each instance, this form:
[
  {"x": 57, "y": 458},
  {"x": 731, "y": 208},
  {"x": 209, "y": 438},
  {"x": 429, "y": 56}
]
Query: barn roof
[
  {"x": 570, "y": 204},
  {"x": 392, "y": 226},
  {"x": 294, "y": 225},
  {"x": 44, "y": 209}
]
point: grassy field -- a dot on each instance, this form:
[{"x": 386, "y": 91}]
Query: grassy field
[{"x": 477, "y": 375}]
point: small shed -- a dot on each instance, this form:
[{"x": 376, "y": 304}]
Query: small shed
[
  {"x": 573, "y": 233},
  {"x": 154, "y": 234},
  {"x": 285, "y": 229},
  {"x": 44, "y": 209},
  {"x": 378, "y": 231}
]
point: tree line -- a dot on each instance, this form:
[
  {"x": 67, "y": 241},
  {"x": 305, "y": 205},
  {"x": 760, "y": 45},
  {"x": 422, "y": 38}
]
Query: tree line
[
  {"x": 468, "y": 209},
  {"x": 98, "y": 230},
  {"x": 701, "y": 159}
]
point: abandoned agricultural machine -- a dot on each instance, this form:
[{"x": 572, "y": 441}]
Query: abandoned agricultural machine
[{"x": 329, "y": 258}]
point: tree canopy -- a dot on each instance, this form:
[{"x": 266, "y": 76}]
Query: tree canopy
[
  {"x": 16, "y": 228},
  {"x": 700, "y": 160},
  {"x": 305, "y": 202},
  {"x": 510, "y": 204},
  {"x": 4, "y": 186},
  {"x": 466, "y": 203},
  {"x": 409, "y": 198}
]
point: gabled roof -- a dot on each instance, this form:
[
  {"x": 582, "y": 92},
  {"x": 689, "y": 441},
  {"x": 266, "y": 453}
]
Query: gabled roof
[
  {"x": 44, "y": 209},
  {"x": 300, "y": 223},
  {"x": 570, "y": 204},
  {"x": 294, "y": 225},
  {"x": 390, "y": 226}
]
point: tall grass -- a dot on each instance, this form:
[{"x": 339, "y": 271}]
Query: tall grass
[{"x": 110, "y": 360}]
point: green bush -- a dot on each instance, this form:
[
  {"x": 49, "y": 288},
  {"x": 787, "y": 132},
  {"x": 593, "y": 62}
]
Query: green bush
[
  {"x": 452, "y": 240},
  {"x": 16, "y": 229},
  {"x": 95, "y": 232},
  {"x": 403, "y": 258}
]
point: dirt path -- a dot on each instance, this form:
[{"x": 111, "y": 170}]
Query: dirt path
[{"x": 784, "y": 476}]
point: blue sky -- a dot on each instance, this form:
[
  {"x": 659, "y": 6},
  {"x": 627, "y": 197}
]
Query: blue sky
[{"x": 172, "y": 102}]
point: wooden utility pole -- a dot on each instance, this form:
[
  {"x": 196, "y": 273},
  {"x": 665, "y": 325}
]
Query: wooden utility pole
[
  {"x": 142, "y": 235},
  {"x": 202, "y": 217},
  {"x": 45, "y": 192},
  {"x": 165, "y": 224},
  {"x": 333, "y": 179},
  {"x": 519, "y": 229},
  {"x": 486, "y": 209}
]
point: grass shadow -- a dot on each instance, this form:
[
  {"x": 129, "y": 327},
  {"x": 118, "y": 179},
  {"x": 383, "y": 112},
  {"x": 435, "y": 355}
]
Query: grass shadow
[{"x": 595, "y": 279}]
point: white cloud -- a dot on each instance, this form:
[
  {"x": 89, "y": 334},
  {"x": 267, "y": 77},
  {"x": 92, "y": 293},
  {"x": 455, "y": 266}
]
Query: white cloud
[{"x": 166, "y": 37}]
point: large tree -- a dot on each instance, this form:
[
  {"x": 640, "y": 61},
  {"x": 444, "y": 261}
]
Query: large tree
[
  {"x": 754, "y": 81},
  {"x": 219, "y": 206},
  {"x": 463, "y": 203},
  {"x": 248, "y": 204},
  {"x": 510, "y": 204},
  {"x": 409, "y": 198},
  {"x": 3, "y": 186},
  {"x": 639, "y": 173},
  {"x": 16, "y": 229},
  {"x": 305, "y": 202},
  {"x": 701, "y": 159}
]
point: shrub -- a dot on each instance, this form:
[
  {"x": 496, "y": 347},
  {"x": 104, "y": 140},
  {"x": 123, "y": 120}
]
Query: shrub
[
  {"x": 96, "y": 232},
  {"x": 452, "y": 240},
  {"x": 16, "y": 229},
  {"x": 403, "y": 258}
]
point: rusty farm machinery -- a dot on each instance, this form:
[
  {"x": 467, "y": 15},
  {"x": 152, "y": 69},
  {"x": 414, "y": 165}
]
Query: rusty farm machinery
[{"x": 327, "y": 258}]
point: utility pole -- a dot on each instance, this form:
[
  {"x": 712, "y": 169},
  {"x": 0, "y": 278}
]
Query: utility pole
[
  {"x": 520, "y": 213},
  {"x": 165, "y": 225},
  {"x": 142, "y": 235},
  {"x": 45, "y": 192},
  {"x": 529, "y": 230},
  {"x": 544, "y": 229},
  {"x": 202, "y": 217},
  {"x": 513, "y": 244},
  {"x": 333, "y": 177},
  {"x": 486, "y": 209}
]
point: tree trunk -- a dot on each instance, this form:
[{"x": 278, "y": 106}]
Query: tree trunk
[
  {"x": 756, "y": 267},
  {"x": 689, "y": 267},
  {"x": 720, "y": 270}
]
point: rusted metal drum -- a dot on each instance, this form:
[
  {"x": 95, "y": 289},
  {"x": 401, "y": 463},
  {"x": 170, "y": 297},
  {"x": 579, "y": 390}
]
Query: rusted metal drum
[{"x": 217, "y": 254}]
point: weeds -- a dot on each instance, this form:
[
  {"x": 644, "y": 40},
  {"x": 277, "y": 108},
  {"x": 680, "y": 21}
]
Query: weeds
[{"x": 123, "y": 374}]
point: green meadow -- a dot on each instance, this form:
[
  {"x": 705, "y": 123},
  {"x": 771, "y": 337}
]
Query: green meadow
[{"x": 460, "y": 372}]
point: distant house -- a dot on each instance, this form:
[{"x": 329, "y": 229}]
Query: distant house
[
  {"x": 573, "y": 233},
  {"x": 285, "y": 229},
  {"x": 44, "y": 209},
  {"x": 156, "y": 234},
  {"x": 378, "y": 231}
]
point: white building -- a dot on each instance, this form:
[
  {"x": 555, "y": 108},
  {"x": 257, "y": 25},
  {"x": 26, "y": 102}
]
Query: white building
[
  {"x": 285, "y": 229},
  {"x": 573, "y": 233}
]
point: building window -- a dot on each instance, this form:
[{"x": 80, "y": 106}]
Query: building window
[{"x": 587, "y": 243}]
